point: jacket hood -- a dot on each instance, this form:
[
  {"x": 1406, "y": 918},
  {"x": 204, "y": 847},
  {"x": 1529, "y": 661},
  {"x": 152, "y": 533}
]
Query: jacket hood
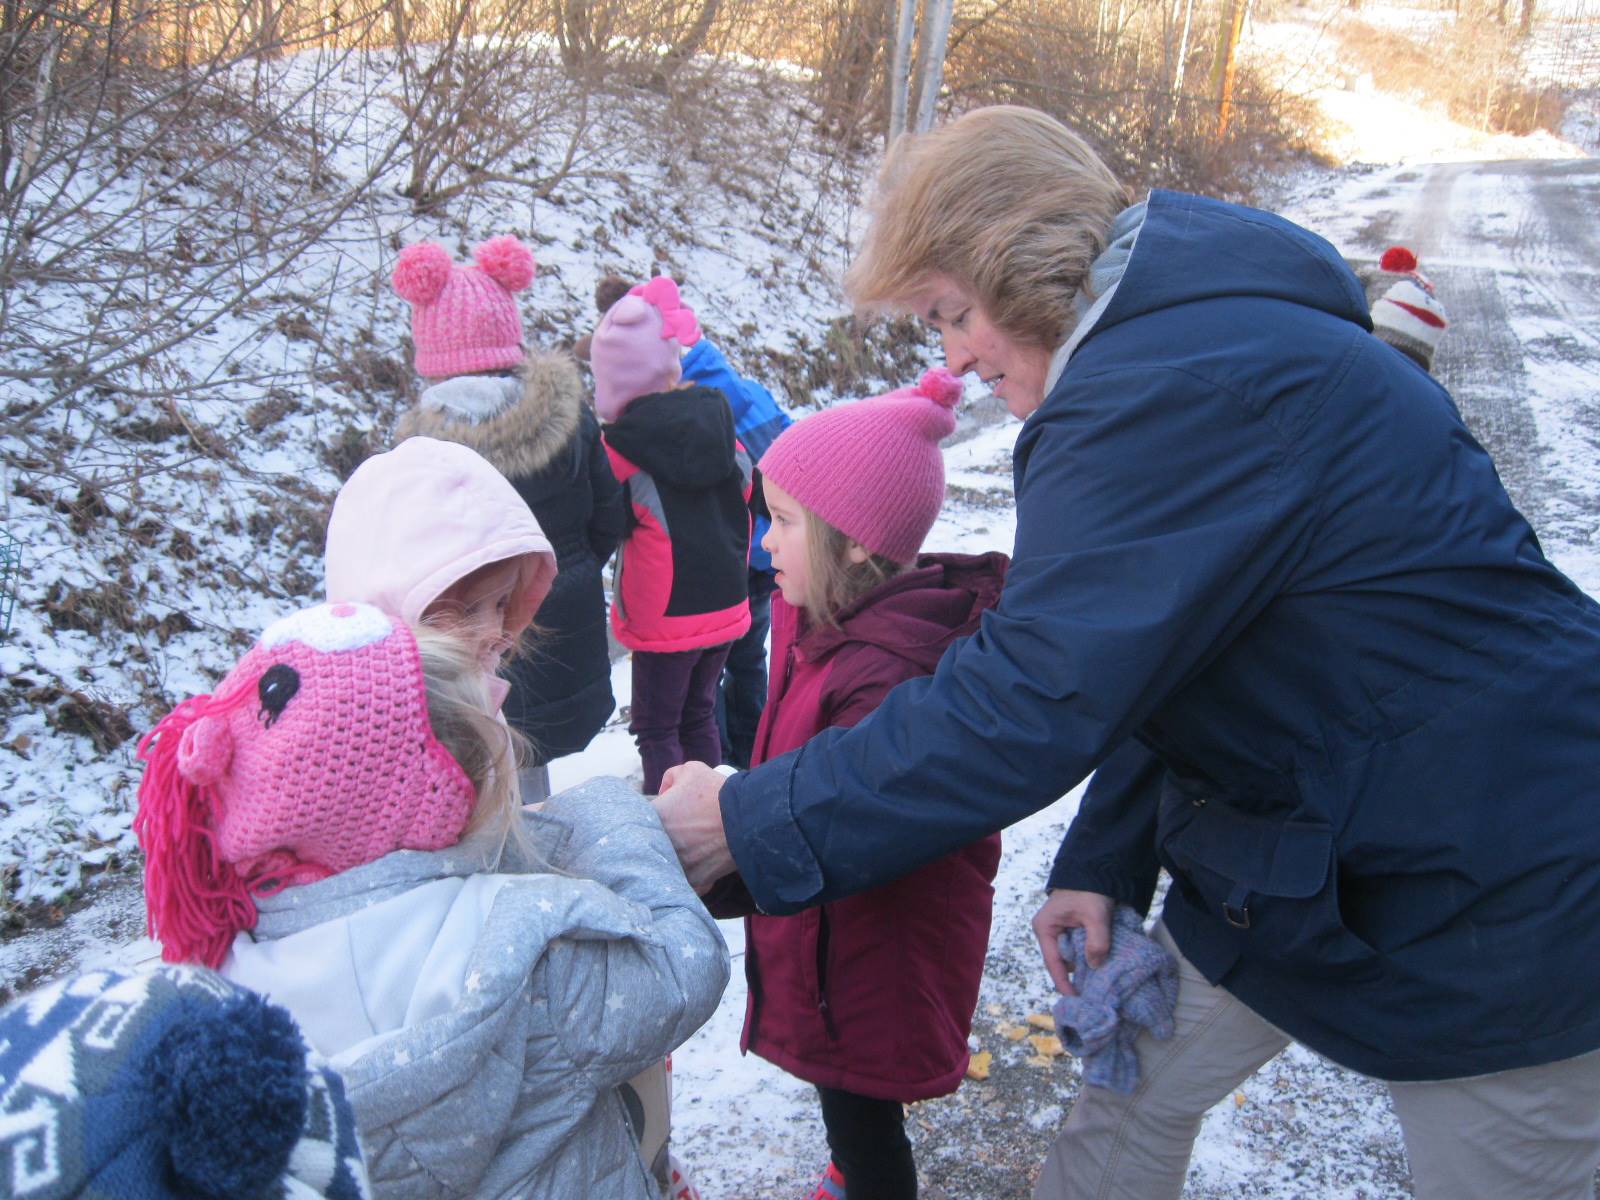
[
  {"x": 523, "y": 433},
  {"x": 1191, "y": 248},
  {"x": 919, "y": 612},
  {"x": 411, "y": 522},
  {"x": 683, "y": 437}
]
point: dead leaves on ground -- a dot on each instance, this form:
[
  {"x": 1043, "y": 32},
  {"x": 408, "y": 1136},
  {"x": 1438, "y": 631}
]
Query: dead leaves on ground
[{"x": 1046, "y": 1047}]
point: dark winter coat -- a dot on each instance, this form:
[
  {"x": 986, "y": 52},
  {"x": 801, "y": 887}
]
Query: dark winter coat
[
  {"x": 1366, "y": 708},
  {"x": 874, "y": 993},
  {"x": 757, "y": 420},
  {"x": 547, "y": 443},
  {"x": 682, "y": 575}
]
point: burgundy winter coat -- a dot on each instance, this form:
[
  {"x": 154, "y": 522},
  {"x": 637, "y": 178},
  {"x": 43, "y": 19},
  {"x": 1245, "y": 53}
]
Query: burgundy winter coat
[{"x": 874, "y": 994}]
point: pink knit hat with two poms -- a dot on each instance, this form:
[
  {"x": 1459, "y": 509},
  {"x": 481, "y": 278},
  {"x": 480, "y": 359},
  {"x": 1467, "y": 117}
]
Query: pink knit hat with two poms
[
  {"x": 872, "y": 469},
  {"x": 636, "y": 349},
  {"x": 313, "y": 756},
  {"x": 465, "y": 319}
]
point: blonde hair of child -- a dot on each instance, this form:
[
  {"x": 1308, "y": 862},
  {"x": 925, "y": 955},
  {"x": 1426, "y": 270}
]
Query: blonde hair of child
[
  {"x": 463, "y": 718},
  {"x": 833, "y": 580}
]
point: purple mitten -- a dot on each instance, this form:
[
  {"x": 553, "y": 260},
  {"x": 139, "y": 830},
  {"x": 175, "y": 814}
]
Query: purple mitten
[{"x": 1136, "y": 988}]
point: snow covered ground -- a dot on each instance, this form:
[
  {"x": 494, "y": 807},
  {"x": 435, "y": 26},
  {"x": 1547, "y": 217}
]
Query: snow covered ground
[{"x": 1300, "y": 1129}]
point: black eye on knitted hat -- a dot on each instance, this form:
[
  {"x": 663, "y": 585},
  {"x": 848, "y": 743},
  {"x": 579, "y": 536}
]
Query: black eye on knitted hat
[{"x": 278, "y": 685}]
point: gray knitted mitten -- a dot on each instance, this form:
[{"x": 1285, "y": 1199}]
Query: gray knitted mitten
[{"x": 1136, "y": 989}]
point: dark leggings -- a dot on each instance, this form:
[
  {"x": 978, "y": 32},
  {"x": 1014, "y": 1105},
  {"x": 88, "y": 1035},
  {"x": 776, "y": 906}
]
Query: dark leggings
[{"x": 868, "y": 1140}]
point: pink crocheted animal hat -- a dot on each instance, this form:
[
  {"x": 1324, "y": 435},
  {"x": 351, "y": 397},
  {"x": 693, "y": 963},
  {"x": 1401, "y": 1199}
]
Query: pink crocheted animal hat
[
  {"x": 872, "y": 468},
  {"x": 313, "y": 756},
  {"x": 464, "y": 319},
  {"x": 636, "y": 349}
]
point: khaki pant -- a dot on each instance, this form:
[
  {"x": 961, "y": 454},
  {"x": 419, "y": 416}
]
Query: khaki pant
[{"x": 1530, "y": 1134}]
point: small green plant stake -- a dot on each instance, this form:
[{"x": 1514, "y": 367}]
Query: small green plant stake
[{"x": 10, "y": 578}]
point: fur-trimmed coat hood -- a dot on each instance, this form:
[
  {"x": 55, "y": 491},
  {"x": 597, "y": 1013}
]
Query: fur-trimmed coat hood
[{"x": 519, "y": 422}]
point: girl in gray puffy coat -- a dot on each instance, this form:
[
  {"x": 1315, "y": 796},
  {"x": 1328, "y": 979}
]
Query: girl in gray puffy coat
[{"x": 329, "y": 829}]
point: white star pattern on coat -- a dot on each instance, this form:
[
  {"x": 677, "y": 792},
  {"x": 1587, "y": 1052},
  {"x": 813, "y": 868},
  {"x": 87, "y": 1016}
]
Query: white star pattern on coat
[{"x": 615, "y": 1002}]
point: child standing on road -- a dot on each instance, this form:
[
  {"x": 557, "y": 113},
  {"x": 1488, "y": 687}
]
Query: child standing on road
[
  {"x": 334, "y": 829},
  {"x": 524, "y": 410},
  {"x": 1407, "y": 313},
  {"x": 870, "y": 998},
  {"x": 679, "y": 600},
  {"x": 757, "y": 419}
]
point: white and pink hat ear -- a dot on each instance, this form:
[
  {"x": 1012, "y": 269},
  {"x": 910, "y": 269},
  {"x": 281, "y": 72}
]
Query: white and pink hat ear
[{"x": 637, "y": 348}]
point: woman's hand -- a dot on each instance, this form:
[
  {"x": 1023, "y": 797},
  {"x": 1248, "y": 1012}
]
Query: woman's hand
[
  {"x": 691, "y": 810},
  {"x": 1062, "y": 910}
]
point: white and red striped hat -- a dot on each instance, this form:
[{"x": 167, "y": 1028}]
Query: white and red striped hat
[{"x": 1408, "y": 315}]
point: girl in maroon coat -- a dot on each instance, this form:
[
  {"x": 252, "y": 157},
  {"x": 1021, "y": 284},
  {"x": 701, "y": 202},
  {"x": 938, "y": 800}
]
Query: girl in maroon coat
[{"x": 870, "y": 998}]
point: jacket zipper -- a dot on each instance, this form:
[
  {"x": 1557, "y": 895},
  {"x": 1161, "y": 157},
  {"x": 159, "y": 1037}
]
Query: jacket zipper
[
  {"x": 822, "y": 974},
  {"x": 752, "y": 975}
]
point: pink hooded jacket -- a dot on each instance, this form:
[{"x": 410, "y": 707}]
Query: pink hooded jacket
[{"x": 411, "y": 522}]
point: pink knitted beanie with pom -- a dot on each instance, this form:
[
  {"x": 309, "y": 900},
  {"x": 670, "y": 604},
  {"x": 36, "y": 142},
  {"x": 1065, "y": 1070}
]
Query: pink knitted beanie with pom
[
  {"x": 872, "y": 468},
  {"x": 637, "y": 347},
  {"x": 465, "y": 319},
  {"x": 313, "y": 756}
]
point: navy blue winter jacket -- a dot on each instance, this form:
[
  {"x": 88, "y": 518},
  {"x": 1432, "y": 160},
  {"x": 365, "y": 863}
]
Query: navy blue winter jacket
[
  {"x": 757, "y": 420},
  {"x": 1364, "y": 709}
]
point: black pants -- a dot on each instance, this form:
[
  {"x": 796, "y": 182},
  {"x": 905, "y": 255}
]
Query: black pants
[
  {"x": 743, "y": 693},
  {"x": 675, "y": 709},
  {"x": 869, "y": 1145}
]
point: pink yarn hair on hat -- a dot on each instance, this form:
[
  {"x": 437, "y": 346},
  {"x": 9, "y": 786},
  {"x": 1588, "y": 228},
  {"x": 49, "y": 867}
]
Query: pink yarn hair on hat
[
  {"x": 464, "y": 319},
  {"x": 313, "y": 756},
  {"x": 872, "y": 468},
  {"x": 636, "y": 349}
]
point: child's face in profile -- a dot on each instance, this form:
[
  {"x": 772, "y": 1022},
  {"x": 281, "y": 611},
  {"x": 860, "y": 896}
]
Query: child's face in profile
[
  {"x": 786, "y": 541},
  {"x": 476, "y": 607}
]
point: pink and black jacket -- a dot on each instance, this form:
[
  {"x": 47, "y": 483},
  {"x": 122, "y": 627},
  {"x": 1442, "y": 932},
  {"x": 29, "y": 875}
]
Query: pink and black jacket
[
  {"x": 681, "y": 575},
  {"x": 874, "y": 994}
]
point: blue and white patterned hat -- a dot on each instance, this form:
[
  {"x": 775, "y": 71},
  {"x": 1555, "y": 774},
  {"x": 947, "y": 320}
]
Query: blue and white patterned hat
[{"x": 169, "y": 1083}]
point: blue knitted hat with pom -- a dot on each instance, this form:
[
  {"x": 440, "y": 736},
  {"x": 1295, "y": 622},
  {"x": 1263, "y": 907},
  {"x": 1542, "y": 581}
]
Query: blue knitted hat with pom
[{"x": 167, "y": 1084}]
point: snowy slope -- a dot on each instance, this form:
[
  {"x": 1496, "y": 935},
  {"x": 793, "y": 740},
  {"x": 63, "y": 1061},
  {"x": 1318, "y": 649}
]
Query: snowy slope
[{"x": 203, "y": 515}]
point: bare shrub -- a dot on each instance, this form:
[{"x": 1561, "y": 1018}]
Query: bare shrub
[
  {"x": 852, "y": 358},
  {"x": 110, "y": 125},
  {"x": 1485, "y": 86},
  {"x": 1136, "y": 78},
  {"x": 477, "y": 93},
  {"x": 851, "y": 67}
]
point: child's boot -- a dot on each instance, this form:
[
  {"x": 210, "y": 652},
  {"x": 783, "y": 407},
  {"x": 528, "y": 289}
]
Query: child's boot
[{"x": 831, "y": 1185}]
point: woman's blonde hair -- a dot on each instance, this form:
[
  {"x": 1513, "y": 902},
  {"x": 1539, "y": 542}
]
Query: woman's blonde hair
[
  {"x": 833, "y": 582},
  {"x": 462, "y": 714},
  {"x": 1007, "y": 202}
]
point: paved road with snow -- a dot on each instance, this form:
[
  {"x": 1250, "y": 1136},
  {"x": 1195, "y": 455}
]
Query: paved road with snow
[{"x": 1514, "y": 251}]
